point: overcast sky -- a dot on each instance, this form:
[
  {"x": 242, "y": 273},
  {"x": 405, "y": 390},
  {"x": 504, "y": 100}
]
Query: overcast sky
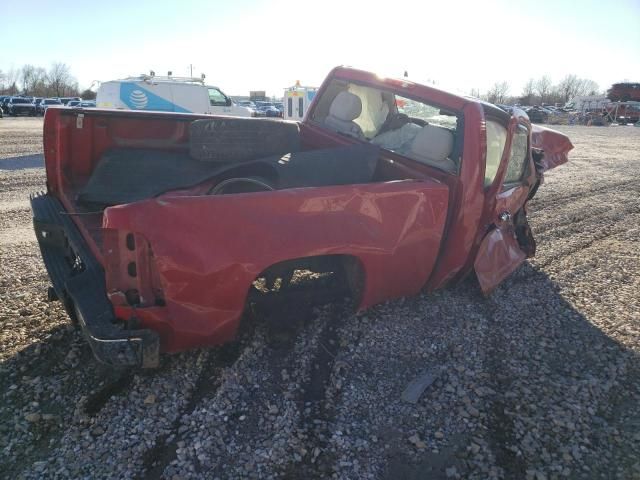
[{"x": 244, "y": 45}]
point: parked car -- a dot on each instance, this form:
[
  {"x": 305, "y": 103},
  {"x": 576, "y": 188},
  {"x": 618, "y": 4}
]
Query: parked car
[
  {"x": 73, "y": 103},
  {"x": 271, "y": 111},
  {"x": 20, "y": 106},
  {"x": 66, "y": 100},
  {"x": 387, "y": 188},
  {"x": 624, "y": 92},
  {"x": 36, "y": 102},
  {"x": 537, "y": 114},
  {"x": 87, "y": 104},
  {"x": 4, "y": 103},
  {"x": 46, "y": 103},
  {"x": 267, "y": 109}
]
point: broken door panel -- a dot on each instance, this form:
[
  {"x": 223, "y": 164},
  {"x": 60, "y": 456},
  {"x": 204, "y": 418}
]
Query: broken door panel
[{"x": 498, "y": 257}]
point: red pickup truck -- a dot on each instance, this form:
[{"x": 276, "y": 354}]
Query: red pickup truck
[{"x": 157, "y": 229}]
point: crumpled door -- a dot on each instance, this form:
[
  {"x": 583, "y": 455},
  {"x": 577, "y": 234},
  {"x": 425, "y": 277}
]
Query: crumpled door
[
  {"x": 498, "y": 257},
  {"x": 499, "y": 253}
]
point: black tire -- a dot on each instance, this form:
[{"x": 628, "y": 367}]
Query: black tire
[{"x": 242, "y": 139}]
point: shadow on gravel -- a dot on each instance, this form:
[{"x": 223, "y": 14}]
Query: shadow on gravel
[
  {"x": 22, "y": 162},
  {"x": 562, "y": 386},
  {"x": 564, "y": 401},
  {"x": 49, "y": 378},
  {"x": 564, "y": 392}
]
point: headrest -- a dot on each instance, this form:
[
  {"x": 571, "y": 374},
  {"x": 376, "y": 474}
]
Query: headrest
[
  {"x": 433, "y": 144},
  {"x": 346, "y": 106}
]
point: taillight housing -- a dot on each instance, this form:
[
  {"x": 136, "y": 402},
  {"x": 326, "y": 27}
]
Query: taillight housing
[{"x": 131, "y": 273}]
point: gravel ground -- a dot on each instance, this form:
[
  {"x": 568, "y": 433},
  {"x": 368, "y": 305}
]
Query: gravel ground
[{"x": 539, "y": 381}]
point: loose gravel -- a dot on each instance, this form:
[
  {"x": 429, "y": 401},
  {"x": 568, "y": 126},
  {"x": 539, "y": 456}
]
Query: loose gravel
[{"x": 539, "y": 381}]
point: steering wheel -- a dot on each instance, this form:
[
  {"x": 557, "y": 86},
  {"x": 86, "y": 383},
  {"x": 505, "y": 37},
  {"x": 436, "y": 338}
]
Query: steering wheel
[{"x": 241, "y": 185}]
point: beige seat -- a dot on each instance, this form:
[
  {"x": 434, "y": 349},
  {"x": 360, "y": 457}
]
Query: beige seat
[
  {"x": 345, "y": 108},
  {"x": 433, "y": 145}
]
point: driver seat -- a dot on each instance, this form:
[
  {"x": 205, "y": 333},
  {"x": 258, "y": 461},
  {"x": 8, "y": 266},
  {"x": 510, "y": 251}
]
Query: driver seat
[{"x": 345, "y": 108}]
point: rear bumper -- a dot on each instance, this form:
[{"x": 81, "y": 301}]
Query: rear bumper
[{"x": 78, "y": 279}]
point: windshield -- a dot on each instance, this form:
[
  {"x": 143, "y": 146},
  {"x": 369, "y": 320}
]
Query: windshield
[
  {"x": 52, "y": 102},
  {"x": 409, "y": 127},
  {"x": 20, "y": 100}
]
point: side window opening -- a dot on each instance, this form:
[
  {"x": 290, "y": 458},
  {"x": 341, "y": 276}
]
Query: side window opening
[
  {"x": 300, "y": 107},
  {"x": 290, "y": 107},
  {"x": 517, "y": 166},
  {"x": 217, "y": 98},
  {"x": 496, "y": 141}
]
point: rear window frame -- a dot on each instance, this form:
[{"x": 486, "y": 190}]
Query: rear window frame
[{"x": 458, "y": 133}]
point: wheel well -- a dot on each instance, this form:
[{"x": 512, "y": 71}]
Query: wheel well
[{"x": 321, "y": 276}]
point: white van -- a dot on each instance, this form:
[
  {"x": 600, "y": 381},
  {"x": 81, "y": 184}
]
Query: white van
[{"x": 168, "y": 94}]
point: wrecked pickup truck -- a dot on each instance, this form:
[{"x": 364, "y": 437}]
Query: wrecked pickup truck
[{"x": 158, "y": 229}]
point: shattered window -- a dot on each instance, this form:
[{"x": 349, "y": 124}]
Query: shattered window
[
  {"x": 518, "y": 158},
  {"x": 496, "y": 140}
]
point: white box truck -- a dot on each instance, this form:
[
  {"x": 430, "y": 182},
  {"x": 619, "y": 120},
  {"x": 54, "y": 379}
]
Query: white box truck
[
  {"x": 297, "y": 100},
  {"x": 168, "y": 94}
]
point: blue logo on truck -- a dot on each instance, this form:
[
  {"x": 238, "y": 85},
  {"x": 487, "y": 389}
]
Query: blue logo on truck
[{"x": 138, "y": 98}]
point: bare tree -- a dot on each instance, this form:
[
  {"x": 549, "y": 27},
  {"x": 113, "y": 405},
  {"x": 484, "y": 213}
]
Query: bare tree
[
  {"x": 529, "y": 88},
  {"x": 60, "y": 79},
  {"x": 568, "y": 88},
  {"x": 10, "y": 82},
  {"x": 571, "y": 86},
  {"x": 26, "y": 77},
  {"x": 88, "y": 94},
  {"x": 498, "y": 92},
  {"x": 33, "y": 80},
  {"x": 40, "y": 82},
  {"x": 543, "y": 87},
  {"x": 588, "y": 87},
  {"x": 528, "y": 91}
]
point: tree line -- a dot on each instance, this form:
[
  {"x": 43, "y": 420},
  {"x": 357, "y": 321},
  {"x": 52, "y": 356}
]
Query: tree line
[
  {"x": 34, "y": 81},
  {"x": 540, "y": 90}
]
